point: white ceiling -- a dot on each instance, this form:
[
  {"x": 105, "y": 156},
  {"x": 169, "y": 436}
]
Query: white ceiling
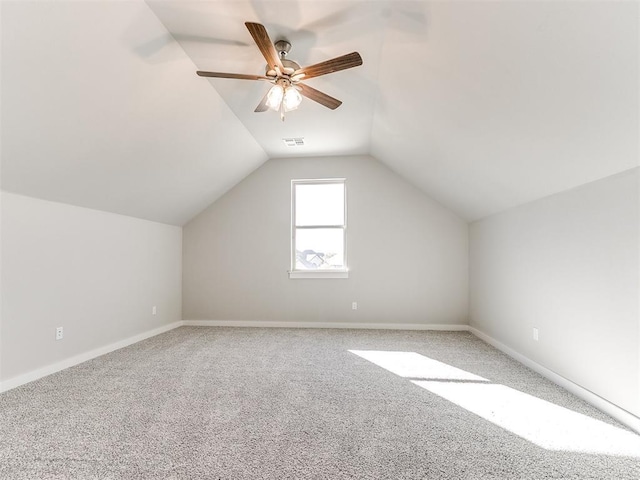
[{"x": 484, "y": 105}]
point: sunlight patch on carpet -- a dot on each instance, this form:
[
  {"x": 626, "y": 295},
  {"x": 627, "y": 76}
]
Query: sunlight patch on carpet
[
  {"x": 414, "y": 365},
  {"x": 541, "y": 422}
]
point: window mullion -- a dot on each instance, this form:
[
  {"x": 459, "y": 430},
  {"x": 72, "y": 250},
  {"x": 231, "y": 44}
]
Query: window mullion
[{"x": 318, "y": 226}]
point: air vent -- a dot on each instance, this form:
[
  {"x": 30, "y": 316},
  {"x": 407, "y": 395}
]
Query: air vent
[{"x": 294, "y": 142}]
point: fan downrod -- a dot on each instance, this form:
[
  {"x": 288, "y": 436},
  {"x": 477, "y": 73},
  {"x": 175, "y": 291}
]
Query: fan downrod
[{"x": 282, "y": 47}]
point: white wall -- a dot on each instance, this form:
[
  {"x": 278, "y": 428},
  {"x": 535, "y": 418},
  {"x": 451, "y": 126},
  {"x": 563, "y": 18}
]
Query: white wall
[
  {"x": 94, "y": 273},
  {"x": 408, "y": 256},
  {"x": 569, "y": 265}
]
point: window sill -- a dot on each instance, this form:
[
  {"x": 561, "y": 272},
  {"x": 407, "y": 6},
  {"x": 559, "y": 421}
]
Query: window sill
[{"x": 318, "y": 274}]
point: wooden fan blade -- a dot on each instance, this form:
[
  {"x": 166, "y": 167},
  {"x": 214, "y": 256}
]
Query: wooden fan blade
[
  {"x": 349, "y": 60},
  {"x": 262, "y": 106},
  {"x": 240, "y": 76},
  {"x": 264, "y": 43},
  {"x": 318, "y": 96}
]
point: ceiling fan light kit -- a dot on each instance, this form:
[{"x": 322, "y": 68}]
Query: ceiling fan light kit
[
  {"x": 274, "y": 97},
  {"x": 283, "y": 96},
  {"x": 292, "y": 99},
  {"x": 286, "y": 75}
]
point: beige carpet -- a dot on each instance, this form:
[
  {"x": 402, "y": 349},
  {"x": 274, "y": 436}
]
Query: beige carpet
[{"x": 236, "y": 403}]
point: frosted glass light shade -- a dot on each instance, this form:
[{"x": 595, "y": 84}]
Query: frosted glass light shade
[
  {"x": 292, "y": 99},
  {"x": 274, "y": 97}
]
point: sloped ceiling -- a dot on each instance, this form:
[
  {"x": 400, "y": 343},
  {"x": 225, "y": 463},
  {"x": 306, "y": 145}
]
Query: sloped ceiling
[
  {"x": 484, "y": 105},
  {"x": 88, "y": 119}
]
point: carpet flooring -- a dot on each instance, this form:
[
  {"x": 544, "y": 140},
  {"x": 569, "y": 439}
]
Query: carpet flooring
[{"x": 252, "y": 403}]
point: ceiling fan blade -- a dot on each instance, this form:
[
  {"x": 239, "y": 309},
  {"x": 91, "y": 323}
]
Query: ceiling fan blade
[
  {"x": 349, "y": 60},
  {"x": 264, "y": 43},
  {"x": 318, "y": 96},
  {"x": 262, "y": 106},
  {"x": 240, "y": 76}
]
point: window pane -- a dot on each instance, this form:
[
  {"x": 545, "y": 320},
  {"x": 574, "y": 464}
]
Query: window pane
[
  {"x": 319, "y": 248},
  {"x": 320, "y": 204}
]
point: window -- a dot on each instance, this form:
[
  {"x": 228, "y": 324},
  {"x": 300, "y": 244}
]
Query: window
[{"x": 318, "y": 229}]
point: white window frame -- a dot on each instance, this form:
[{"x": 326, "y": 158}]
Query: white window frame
[{"x": 333, "y": 273}]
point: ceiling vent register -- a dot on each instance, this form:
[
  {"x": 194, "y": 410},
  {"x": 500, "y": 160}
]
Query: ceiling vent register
[{"x": 294, "y": 142}]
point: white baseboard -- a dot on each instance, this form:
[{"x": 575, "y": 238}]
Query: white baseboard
[
  {"x": 353, "y": 325},
  {"x": 623, "y": 416},
  {"x": 83, "y": 357}
]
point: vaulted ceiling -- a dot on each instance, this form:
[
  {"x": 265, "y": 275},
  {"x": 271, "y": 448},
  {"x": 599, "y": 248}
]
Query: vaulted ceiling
[{"x": 483, "y": 105}]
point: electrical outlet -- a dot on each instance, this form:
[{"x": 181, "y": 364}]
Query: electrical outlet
[
  {"x": 535, "y": 334},
  {"x": 59, "y": 333},
  {"x": 354, "y": 306},
  {"x": 153, "y": 310}
]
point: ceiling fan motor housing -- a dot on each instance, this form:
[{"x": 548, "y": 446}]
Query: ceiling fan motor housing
[{"x": 283, "y": 47}]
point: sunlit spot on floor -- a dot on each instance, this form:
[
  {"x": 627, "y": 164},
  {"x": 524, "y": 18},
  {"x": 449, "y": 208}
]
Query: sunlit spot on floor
[
  {"x": 543, "y": 423},
  {"x": 414, "y": 365}
]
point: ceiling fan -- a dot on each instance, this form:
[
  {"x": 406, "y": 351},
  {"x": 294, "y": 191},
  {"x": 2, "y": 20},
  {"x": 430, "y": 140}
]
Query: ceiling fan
[{"x": 286, "y": 75}]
